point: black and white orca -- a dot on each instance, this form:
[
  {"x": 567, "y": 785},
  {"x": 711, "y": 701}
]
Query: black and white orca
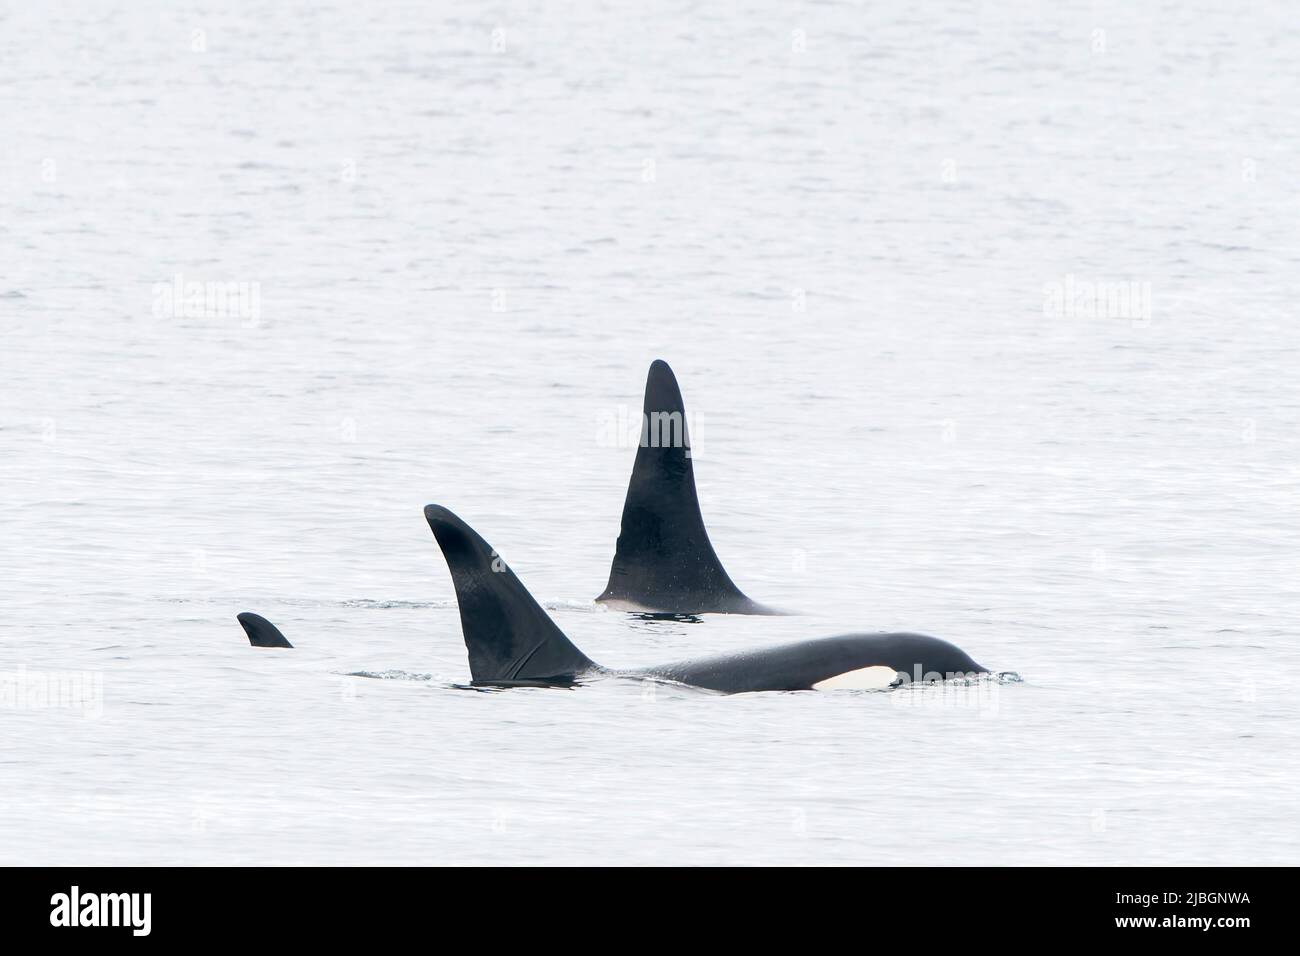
[
  {"x": 664, "y": 561},
  {"x": 512, "y": 641}
]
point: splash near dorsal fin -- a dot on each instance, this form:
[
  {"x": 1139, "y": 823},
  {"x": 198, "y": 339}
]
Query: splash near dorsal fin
[
  {"x": 260, "y": 631},
  {"x": 510, "y": 639},
  {"x": 664, "y": 561}
]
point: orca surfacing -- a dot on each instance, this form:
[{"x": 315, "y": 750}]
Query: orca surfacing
[{"x": 512, "y": 641}]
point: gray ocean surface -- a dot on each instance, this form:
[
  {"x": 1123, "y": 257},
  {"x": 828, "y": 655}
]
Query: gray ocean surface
[{"x": 864, "y": 236}]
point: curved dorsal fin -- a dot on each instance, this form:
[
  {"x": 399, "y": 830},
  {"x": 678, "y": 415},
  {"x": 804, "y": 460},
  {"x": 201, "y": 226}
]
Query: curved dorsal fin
[
  {"x": 664, "y": 560},
  {"x": 509, "y": 637},
  {"x": 260, "y": 631}
]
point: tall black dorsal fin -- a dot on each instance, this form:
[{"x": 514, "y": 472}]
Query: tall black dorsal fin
[
  {"x": 260, "y": 631},
  {"x": 664, "y": 560},
  {"x": 509, "y": 637}
]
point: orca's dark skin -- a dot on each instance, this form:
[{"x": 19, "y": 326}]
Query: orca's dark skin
[
  {"x": 260, "y": 631},
  {"x": 664, "y": 561},
  {"x": 513, "y": 642}
]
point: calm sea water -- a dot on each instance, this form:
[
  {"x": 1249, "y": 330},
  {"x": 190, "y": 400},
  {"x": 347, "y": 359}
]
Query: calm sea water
[{"x": 866, "y": 239}]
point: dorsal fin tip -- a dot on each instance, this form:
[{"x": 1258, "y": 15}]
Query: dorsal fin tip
[{"x": 662, "y": 393}]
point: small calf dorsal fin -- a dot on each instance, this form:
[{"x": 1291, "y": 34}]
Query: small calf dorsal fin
[{"x": 260, "y": 631}]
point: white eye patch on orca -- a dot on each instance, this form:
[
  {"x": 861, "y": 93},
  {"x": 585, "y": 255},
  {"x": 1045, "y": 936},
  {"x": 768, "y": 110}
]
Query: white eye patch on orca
[{"x": 876, "y": 677}]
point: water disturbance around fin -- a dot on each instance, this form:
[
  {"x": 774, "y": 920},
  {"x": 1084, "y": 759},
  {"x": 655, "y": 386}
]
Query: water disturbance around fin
[{"x": 664, "y": 560}]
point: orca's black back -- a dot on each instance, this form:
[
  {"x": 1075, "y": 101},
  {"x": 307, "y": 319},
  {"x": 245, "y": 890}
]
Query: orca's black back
[{"x": 802, "y": 665}]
